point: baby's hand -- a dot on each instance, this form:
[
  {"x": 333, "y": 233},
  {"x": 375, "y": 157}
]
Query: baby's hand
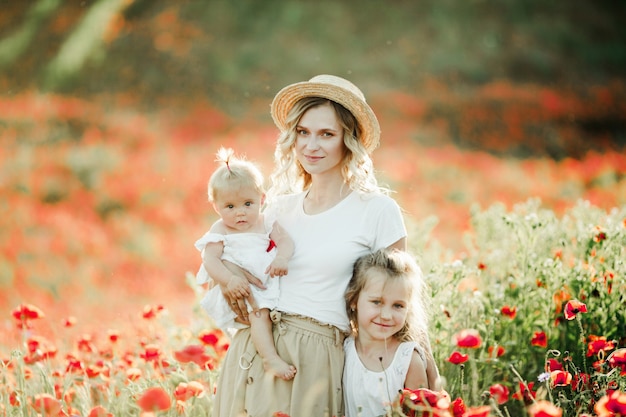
[{"x": 278, "y": 267}]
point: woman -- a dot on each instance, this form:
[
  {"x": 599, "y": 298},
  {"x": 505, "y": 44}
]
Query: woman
[{"x": 326, "y": 197}]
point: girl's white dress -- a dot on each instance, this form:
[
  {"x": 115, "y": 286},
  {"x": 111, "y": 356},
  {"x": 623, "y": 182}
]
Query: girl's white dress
[
  {"x": 250, "y": 252},
  {"x": 369, "y": 393}
]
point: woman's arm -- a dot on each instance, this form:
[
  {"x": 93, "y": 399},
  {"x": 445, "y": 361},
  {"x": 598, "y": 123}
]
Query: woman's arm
[{"x": 234, "y": 282}]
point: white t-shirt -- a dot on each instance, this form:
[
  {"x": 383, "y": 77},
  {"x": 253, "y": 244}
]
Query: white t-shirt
[{"x": 326, "y": 246}]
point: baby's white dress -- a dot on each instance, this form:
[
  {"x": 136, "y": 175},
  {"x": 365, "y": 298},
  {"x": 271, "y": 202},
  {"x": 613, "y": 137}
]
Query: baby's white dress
[
  {"x": 369, "y": 393},
  {"x": 250, "y": 252}
]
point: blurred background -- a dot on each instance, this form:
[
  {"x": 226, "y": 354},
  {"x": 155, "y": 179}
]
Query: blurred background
[{"x": 111, "y": 112}]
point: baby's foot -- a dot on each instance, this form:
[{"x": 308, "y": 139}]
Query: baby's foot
[{"x": 279, "y": 368}]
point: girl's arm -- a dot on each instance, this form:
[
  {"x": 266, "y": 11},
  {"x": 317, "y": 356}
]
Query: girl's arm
[
  {"x": 284, "y": 252},
  {"x": 417, "y": 376}
]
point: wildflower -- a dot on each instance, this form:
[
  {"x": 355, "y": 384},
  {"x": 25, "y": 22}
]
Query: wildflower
[
  {"x": 495, "y": 351},
  {"x": 539, "y": 339},
  {"x": 525, "y": 392},
  {"x": 599, "y": 344},
  {"x": 458, "y": 407},
  {"x": 617, "y": 359},
  {"x": 543, "y": 408},
  {"x": 611, "y": 405},
  {"x": 99, "y": 411},
  {"x": 187, "y": 390},
  {"x": 193, "y": 353},
  {"x": 482, "y": 266},
  {"x": 113, "y": 335},
  {"x": 24, "y": 313},
  {"x": 437, "y": 402},
  {"x": 468, "y": 338},
  {"x": 47, "y": 405},
  {"x": 510, "y": 312},
  {"x": 154, "y": 399},
  {"x": 152, "y": 312},
  {"x": 560, "y": 378},
  {"x": 543, "y": 377},
  {"x": 133, "y": 374},
  {"x": 216, "y": 339},
  {"x": 500, "y": 393},
  {"x": 152, "y": 353},
  {"x": 574, "y": 307},
  {"x": 553, "y": 365},
  {"x": 84, "y": 344},
  {"x": 458, "y": 358},
  {"x": 69, "y": 321}
]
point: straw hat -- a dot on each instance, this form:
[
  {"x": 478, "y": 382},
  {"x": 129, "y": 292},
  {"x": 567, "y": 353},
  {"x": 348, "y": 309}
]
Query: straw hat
[{"x": 333, "y": 88}]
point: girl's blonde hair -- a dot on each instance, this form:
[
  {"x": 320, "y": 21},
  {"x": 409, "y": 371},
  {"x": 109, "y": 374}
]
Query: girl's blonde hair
[
  {"x": 396, "y": 265},
  {"x": 357, "y": 167},
  {"x": 234, "y": 173}
]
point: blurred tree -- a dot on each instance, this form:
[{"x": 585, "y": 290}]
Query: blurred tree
[
  {"x": 84, "y": 42},
  {"x": 13, "y": 46}
]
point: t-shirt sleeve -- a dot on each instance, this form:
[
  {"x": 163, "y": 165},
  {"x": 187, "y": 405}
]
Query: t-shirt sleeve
[{"x": 389, "y": 225}]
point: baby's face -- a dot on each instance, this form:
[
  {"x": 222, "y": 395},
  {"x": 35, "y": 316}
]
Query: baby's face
[{"x": 239, "y": 208}]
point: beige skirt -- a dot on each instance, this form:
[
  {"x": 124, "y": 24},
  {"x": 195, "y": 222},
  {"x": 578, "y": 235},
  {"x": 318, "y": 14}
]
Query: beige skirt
[{"x": 316, "y": 350}]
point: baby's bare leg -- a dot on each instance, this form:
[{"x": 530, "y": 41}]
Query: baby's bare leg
[{"x": 261, "y": 334}]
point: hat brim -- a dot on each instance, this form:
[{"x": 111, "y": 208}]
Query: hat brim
[{"x": 288, "y": 96}]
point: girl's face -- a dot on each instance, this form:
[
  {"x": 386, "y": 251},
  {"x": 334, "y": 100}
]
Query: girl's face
[
  {"x": 382, "y": 306},
  {"x": 239, "y": 208},
  {"x": 319, "y": 141}
]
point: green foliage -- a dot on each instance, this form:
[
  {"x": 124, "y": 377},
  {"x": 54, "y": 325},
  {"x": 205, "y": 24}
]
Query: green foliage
[{"x": 531, "y": 261}]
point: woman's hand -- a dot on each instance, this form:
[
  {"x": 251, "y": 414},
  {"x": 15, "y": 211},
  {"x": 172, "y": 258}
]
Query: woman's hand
[{"x": 237, "y": 291}]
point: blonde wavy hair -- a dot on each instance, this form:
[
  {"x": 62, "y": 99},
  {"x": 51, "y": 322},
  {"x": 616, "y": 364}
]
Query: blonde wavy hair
[
  {"x": 396, "y": 265},
  {"x": 357, "y": 168}
]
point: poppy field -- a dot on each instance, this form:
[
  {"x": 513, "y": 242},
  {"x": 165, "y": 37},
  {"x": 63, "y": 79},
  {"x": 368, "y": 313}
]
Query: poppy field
[{"x": 515, "y": 202}]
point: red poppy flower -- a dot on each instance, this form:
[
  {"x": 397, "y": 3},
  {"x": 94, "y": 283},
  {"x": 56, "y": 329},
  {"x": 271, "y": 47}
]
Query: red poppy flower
[
  {"x": 574, "y": 307},
  {"x": 192, "y": 353},
  {"x": 458, "y": 358},
  {"x": 510, "y": 312},
  {"x": 495, "y": 351},
  {"x": 151, "y": 353},
  {"x": 99, "y": 411},
  {"x": 468, "y": 338},
  {"x": 458, "y": 407},
  {"x": 280, "y": 414},
  {"x": 24, "y": 313},
  {"x": 187, "y": 390},
  {"x": 539, "y": 339},
  {"x": 133, "y": 374},
  {"x": 525, "y": 392},
  {"x": 543, "y": 408},
  {"x": 617, "y": 359},
  {"x": 599, "y": 344},
  {"x": 611, "y": 405},
  {"x": 69, "y": 321},
  {"x": 151, "y": 312},
  {"x": 500, "y": 393},
  {"x": 553, "y": 365},
  {"x": 560, "y": 378},
  {"x": 47, "y": 405},
  {"x": 425, "y": 397},
  {"x": 154, "y": 399},
  {"x": 113, "y": 335}
]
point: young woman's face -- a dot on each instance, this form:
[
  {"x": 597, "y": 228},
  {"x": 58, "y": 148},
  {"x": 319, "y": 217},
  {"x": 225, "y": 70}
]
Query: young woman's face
[
  {"x": 319, "y": 141},
  {"x": 382, "y": 306},
  {"x": 239, "y": 208}
]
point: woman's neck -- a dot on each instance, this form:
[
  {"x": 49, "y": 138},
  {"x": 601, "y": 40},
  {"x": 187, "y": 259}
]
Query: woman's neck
[{"x": 322, "y": 195}]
